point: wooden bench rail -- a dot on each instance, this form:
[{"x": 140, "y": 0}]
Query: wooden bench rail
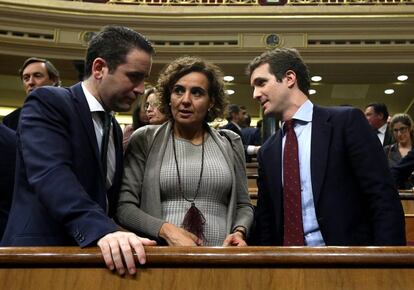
[
  {"x": 406, "y": 194},
  {"x": 203, "y": 268},
  {"x": 217, "y": 256}
]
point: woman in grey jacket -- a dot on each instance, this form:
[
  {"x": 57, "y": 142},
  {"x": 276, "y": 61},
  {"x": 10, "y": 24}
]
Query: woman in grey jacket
[{"x": 184, "y": 182}]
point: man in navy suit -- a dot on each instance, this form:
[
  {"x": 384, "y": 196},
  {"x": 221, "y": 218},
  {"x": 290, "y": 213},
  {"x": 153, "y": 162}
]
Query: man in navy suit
[
  {"x": 346, "y": 193},
  {"x": 236, "y": 117},
  {"x": 63, "y": 194}
]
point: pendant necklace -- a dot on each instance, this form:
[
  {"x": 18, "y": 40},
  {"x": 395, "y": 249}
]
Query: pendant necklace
[{"x": 194, "y": 220}]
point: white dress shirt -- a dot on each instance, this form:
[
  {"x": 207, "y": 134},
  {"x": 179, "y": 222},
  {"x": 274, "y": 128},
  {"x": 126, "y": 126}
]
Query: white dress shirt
[{"x": 381, "y": 133}]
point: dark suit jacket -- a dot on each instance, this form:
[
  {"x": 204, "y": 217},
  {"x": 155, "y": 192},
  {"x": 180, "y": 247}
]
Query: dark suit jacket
[
  {"x": 355, "y": 200},
  {"x": 251, "y": 136},
  {"x": 235, "y": 129},
  {"x": 12, "y": 120},
  {"x": 7, "y": 162},
  {"x": 60, "y": 195},
  {"x": 388, "y": 137}
]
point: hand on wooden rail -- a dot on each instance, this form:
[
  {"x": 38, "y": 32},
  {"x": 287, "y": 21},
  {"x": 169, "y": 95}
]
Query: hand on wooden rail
[{"x": 117, "y": 250}]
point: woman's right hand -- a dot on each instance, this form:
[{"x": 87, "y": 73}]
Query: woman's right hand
[{"x": 176, "y": 236}]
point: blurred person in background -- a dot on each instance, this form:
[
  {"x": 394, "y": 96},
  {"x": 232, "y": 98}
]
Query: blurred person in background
[
  {"x": 377, "y": 116},
  {"x": 152, "y": 106},
  {"x": 402, "y": 127},
  {"x": 34, "y": 73},
  {"x": 139, "y": 119}
]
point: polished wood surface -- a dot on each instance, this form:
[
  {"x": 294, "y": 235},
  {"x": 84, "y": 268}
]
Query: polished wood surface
[
  {"x": 213, "y": 268},
  {"x": 409, "y": 228},
  {"x": 216, "y": 256},
  {"x": 210, "y": 279}
]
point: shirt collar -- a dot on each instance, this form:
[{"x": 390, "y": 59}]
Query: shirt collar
[
  {"x": 93, "y": 103},
  {"x": 304, "y": 113},
  {"x": 383, "y": 128}
]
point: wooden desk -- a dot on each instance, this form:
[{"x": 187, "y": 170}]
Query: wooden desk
[
  {"x": 213, "y": 268},
  {"x": 407, "y": 201}
]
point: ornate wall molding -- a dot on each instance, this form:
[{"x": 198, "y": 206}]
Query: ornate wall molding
[{"x": 58, "y": 28}]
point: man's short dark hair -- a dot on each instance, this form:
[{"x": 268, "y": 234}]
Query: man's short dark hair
[
  {"x": 50, "y": 68},
  {"x": 379, "y": 108},
  {"x": 112, "y": 44},
  {"x": 232, "y": 109},
  {"x": 281, "y": 60}
]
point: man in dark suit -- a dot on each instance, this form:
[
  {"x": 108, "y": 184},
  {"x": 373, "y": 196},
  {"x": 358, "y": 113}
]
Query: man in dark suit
[
  {"x": 34, "y": 73},
  {"x": 236, "y": 117},
  {"x": 377, "y": 116},
  {"x": 66, "y": 182},
  {"x": 252, "y": 135},
  {"x": 341, "y": 198},
  {"x": 7, "y": 162}
]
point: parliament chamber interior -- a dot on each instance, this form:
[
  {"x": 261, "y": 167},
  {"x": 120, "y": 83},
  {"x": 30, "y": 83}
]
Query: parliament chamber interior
[{"x": 357, "y": 47}]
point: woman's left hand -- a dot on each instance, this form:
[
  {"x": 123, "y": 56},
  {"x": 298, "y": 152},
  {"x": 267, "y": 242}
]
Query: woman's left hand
[{"x": 235, "y": 239}]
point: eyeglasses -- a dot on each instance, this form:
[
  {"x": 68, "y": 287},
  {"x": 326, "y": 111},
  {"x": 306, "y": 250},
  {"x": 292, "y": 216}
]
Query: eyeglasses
[
  {"x": 402, "y": 130},
  {"x": 152, "y": 105}
]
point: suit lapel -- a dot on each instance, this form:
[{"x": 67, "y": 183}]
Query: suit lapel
[
  {"x": 278, "y": 160},
  {"x": 273, "y": 166},
  {"x": 86, "y": 119},
  {"x": 388, "y": 138},
  {"x": 321, "y": 136}
]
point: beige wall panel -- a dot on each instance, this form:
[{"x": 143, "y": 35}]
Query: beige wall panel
[
  {"x": 192, "y": 37},
  {"x": 253, "y": 40},
  {"x": 293, "y": 40},
  {"x": 355, "y": 35},
  {"x": 69, "y": 37},
  {"x": 286, "y": 40},
  {"x": 26, "y": 29}
]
